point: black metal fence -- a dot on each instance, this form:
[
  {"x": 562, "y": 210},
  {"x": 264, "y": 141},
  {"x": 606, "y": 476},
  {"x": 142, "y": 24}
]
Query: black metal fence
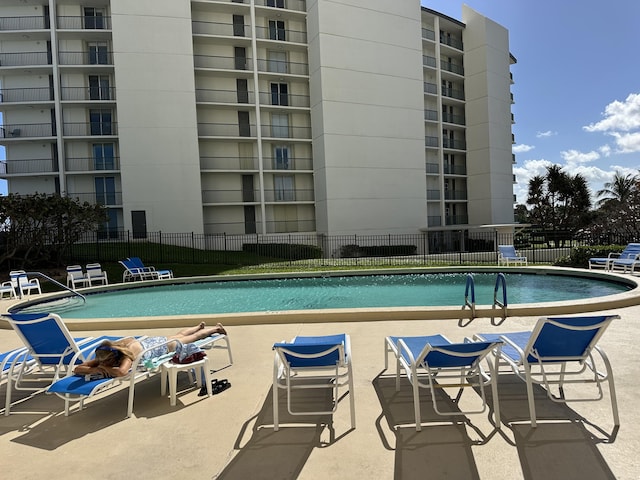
[{"x": 429, "y": 248}]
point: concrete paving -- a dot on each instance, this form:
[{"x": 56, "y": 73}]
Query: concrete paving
[{"x": 227, "y": 436}]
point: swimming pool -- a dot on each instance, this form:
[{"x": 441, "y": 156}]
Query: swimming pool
[{"x": 354, "y": 292}]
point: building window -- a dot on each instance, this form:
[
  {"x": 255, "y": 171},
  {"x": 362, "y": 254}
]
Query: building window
[
  {"x": 94, "y": 18},
  {"x": 283, "y": 188},
  {"x": 279, "y": 125},
  {"x": 99, "y": 87},
  {"x": 98, "y": 54},
  {"x": 277, "y": 62},
  {"x": 276, "y": 30},
  {"x": 100, "y": 122},
  {"x": 279, "y": 94},
  {"x": 105, "y": 190},
  {"x": 281, "y": 157},
  {"x": 275, "y": 3},
  {"x": 103, "y": 158}
]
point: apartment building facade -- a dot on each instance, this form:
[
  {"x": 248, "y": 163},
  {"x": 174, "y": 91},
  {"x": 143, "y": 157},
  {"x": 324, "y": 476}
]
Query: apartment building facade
[{"x": 259, "y": 116}]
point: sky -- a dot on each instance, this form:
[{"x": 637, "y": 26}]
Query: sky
[{"x": 577, "y": 84}]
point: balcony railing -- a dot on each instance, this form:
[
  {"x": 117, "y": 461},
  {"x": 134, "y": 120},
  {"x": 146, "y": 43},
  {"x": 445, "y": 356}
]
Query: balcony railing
[
  {"x": 284, "y": 35},
  {"x": 31, "y": 22},
  {"x": 88, "y": 93},
  {"x": 98, "y": 57},
  {"x": 84, "y": 164},
  {"x": 457, "y": 220},
  {"x": 242, "y": 228},
  {"x": 431, "y": 88},
  {"x": 279, "y": 131},
  {"x": 431, "y": 141},
  {"x": 106, "y": 198},
  {"x": 432, "y": 168},
  {"x": 452, "y": 118},
  {"x": 226, "y": 130},
  {"x": 206, "y": 95},
  {"x": 251, "y": 163},
  {"x": 455, "y": 169},
  {"x": 428, "y": 34},
  {"x": 284, "y": 100},
  {"x": 434, "y": 221},
  {"x": 278, "y": 66},
  {"x": 88, "y": 22},
  {"x": 452, "y": 67},
  {"x": 454, "y": 144},
  {"x": 451, "y": 41},
  {"x": 37, "y": 94},
  {"x": 433, "y": 194},
  {"x": 220, "y": 29},
  {"x": 86, "y": 129},
  {"x": 429, "y": 61},
  {"x": 28, "y": 166},
  {"x": 453, "y": 93},
  {"x": 297, "y": 5},
  {"x": 253, "y": 196},
  {"x": 455, "y": 194},
  {"x": 221, "y": 62},
  {"x": 24, "y": 59},
  {"x": 27, "y": 130}
]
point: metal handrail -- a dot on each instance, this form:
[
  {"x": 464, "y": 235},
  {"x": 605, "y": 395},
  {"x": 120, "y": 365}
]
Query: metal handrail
[
  {"x": 470, "y": 285},
  {"x": 42, "y": 275},
  {"x": 501, "y": 280}
]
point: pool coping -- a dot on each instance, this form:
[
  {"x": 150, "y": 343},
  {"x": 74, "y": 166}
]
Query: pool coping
[{"x": 463, "y": 314}]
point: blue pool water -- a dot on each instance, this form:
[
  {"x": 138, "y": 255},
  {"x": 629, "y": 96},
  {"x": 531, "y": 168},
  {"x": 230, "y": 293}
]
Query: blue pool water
[{"x": 327, "y": 292}]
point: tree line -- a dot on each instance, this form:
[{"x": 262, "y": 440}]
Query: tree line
[{"x": 560, "y": 203}]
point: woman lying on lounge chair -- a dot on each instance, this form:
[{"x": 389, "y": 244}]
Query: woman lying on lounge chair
[{"x": 114, "y": 359}]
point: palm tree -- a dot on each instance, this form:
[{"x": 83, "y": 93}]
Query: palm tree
[{"x": 618, "y": 190}]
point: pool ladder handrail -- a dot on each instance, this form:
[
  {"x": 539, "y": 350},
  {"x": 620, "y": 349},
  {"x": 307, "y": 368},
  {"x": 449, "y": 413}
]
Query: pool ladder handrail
[
  {"x": 65, "y": 287},
  {"x": 501, "y": 280},
  {"x": 469, "y": 286}
]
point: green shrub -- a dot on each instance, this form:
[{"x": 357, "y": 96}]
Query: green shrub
[
  {"x": 350, "y": 251},
  {"x": 579, "y": 256}
]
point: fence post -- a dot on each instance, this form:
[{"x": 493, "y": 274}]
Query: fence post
[{"x": 193, "y": 247}]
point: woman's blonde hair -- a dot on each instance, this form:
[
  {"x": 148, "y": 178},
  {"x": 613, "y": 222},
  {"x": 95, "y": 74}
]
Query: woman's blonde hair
[{"x": 110, "y": 353}]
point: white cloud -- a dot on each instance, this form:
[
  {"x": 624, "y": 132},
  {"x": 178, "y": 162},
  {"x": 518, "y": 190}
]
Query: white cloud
[
  {"x": 576, "y": 157},
  {"x": 619, "y": 116},
  {"x": 605, "y": 150},
  {"x": 548, "y": 133},
  {"x": 522, "y": 148},
  {"x": 627, "y": 142}
]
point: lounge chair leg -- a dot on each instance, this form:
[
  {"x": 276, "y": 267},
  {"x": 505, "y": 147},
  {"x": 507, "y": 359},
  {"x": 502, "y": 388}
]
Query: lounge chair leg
[
  {"x": 352, "y": 399},
  {"x": 275, "y": 396},
  {"x": 532, "y": 405},
  {"x": 416, "y": 403}
]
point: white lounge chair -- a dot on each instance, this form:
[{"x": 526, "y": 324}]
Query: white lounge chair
[
  {"x": 95, "y": 275},
  {"x": 557, "y": 353},
  {"x": 23, "y": 285},
  {"x": 318, "y": 362},
  {"x": 507, "y": 254},
  {"x": 434, "y": 362},
  {"x": 76, "y": 277}
]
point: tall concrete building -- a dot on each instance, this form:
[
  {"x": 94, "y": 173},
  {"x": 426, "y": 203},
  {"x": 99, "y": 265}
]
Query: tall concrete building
[{"x": 259, "y": 116}]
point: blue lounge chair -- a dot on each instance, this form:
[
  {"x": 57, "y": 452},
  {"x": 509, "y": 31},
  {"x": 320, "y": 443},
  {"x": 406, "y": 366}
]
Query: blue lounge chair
[
  {"x": 508, "y": 254},
  {"x": 559, "y": 352},
  {"x": 77, "y": 388},
  {"x": 313, "y": 362},
  {"x": 136, "y": 270},
  {"x": 50, "y": 352},
  {"x": 624, "y": 260},
  {"x": 434, "y": 362}
]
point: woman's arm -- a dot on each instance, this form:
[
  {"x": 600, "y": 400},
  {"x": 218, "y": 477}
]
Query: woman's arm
[
  {"x": 86, "y": 368},
  {"x": 119, "y": 371}
]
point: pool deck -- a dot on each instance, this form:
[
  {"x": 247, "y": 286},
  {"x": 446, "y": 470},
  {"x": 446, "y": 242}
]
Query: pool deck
[{"x": 225, "y": 436}]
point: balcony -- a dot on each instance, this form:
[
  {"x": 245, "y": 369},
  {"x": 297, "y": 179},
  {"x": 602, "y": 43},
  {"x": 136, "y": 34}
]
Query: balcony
[
  {"x": 102, "y": 198},
  {"x": 240, "y": 228},
  {"x": 455, "y": 194},
  {"x": 283, "y": 131},
  {"x": 452, "y": 67},
  {"x": 206, "y": 95},
  {"x": 455, "y": 169},
  {"x": 84, "y": 164},
  {"x": 432, "y": 168},
  {"x": 89, "y": 22},
  {"x": 428, "y": 61},
  {"x": 283, "y": 35},
  {"x": 219, "y": 62},
  {"x": 28, "y": 166},
  {"x": 93, "y": 57},
  {"x": 25, "y": 59},
  {"x": 75, "y": 94},
  {"x": 27, "y": 130},
  {"x": 284, "y": 100},
  {"x": 431, "y": 88},
  {"x": 428, "y": 34},
  {"x": 220, "y": 29},
  {"x": 452, "y": 118},
  {"x": 454, "y": 144},
  {"x": 89, "y": 129},
  {"x": 431, "y": 142},
  {"x": 446, "y": 39},
  {"x": 456, "y": 220},
  {"x": 431, "y": 115},
  {"x": 456, "y": 93},
  {"x": 434, "y": 221},
  {"x": 31, "y": 22},
  {"x": 251, "y": 163},
  {"x": 26, "y": 95},
  {"x": 226, "y": 130},
  {"x": 433, "y": 194},
  {"x": 253, "y": 196},
  {"x": 296, "y": 5},
  {"x": 278, "y": 66}
]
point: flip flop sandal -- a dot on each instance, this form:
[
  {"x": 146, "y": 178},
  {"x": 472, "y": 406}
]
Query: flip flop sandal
[
  {"x": 220, "y": 386},
  {"x": 203, "y": 389}
]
